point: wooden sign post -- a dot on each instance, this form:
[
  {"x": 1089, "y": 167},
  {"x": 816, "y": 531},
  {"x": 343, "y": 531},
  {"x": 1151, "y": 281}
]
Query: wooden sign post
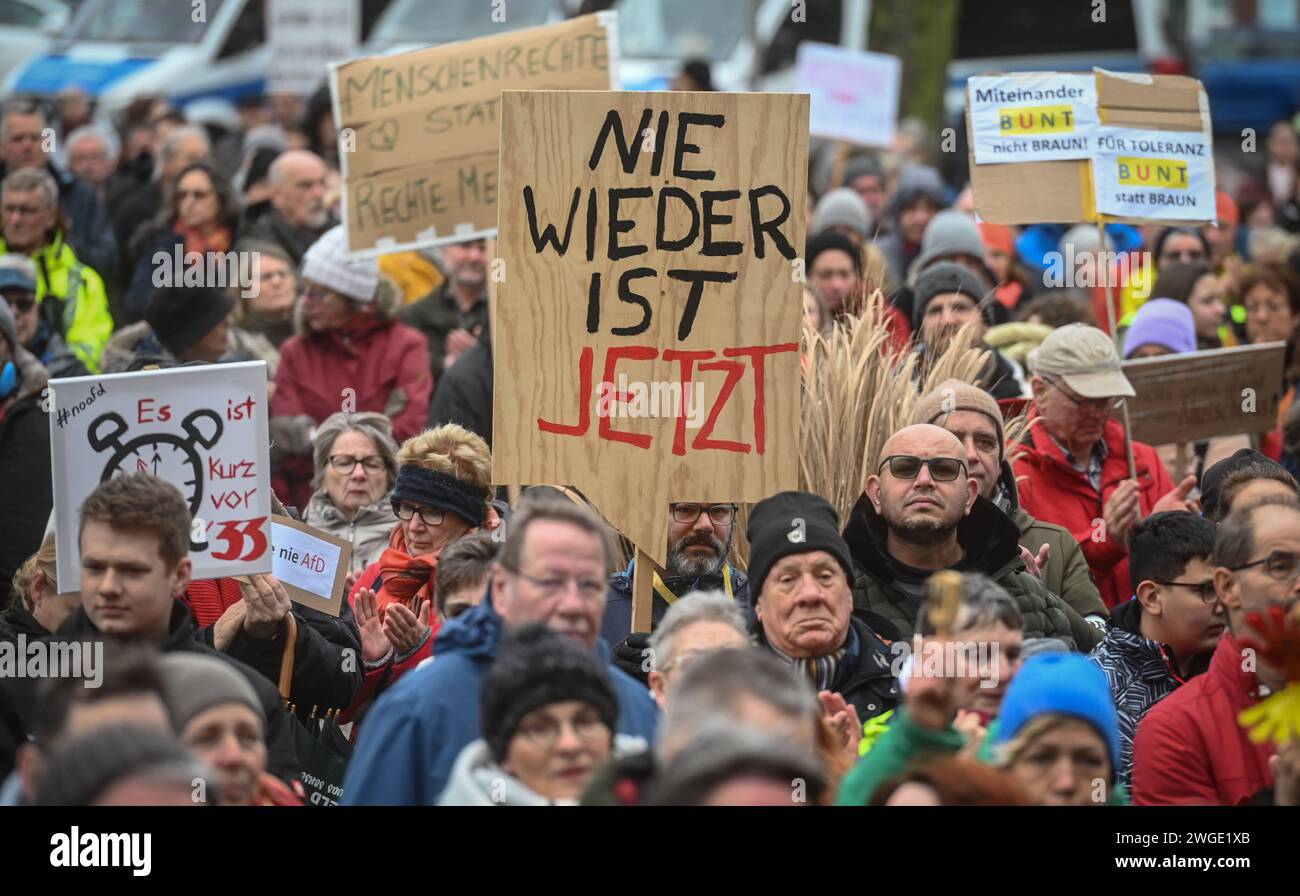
[{"x": 647, "y": 345}]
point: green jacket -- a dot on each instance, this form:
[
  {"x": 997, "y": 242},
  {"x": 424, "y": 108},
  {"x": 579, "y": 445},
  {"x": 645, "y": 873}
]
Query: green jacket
[
  {"x": 1066, "y": 574},
  {"x": 990, "y": 541},
  {"x": 906, "y": 742},
  {"x": 72, "y": 299}
]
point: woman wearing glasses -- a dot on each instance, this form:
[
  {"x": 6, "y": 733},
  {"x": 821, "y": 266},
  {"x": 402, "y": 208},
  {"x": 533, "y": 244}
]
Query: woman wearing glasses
[
  {"x": 200, "y": 218},
  {"x": 356, "y": 466},
  {"x": 443, "y": 486},
  {"x": 548, "y": 718},
  {"x": 352, "y": 354}
]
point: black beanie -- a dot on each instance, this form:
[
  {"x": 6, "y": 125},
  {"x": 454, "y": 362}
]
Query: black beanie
[
  {"x": 827, "y": 240},
  {"x": 792, "y": 523},
  {"x": 1213, "y": 477},
  {"x": 948, "y": 276},
  {"x": 536, "y": 667},
  {"x": 182, "y": 315}
]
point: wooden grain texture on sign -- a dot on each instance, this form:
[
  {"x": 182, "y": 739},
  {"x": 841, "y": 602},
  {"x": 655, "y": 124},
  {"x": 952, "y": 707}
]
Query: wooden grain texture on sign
[
  {"x": 1198, "y": 395},
  {"x": 1061, "y": 192},
  {"x": 426, "y": 127},
  {"x": 650, "y": 242}
]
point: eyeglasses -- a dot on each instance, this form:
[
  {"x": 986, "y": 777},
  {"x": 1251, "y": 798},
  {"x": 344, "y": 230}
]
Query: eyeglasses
[
  {"x": 907, "y": 466},
  {"x": 315, "y": 293},
  {"x": 346, "y": 463},
  {"x": 719, "y": 514},
  {"x": 428, "y": 516},
  {"x": 1204, "y": 590},
  {"x": 1279, "y": 565},
  {"x": 555, "y": 585},
  {"x": 1183, "y": 255},
  {"x": 21, "y": 304},
  {"x": 543, "y": 730},
  {"x": 1096, "y": 404}
]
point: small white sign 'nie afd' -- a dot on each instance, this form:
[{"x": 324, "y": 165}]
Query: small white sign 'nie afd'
[
  {"x": 303, "y": 561},
  {"x": 1033, "y": 117},
  {"x": 88, "y": 850}
]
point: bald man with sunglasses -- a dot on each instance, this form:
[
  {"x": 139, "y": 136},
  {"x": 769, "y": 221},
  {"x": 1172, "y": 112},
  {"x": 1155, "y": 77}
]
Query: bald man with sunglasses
[{"x": 922, "y": 512}]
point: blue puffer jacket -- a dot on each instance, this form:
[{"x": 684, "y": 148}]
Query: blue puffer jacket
[{"x": 412, "y": 736}]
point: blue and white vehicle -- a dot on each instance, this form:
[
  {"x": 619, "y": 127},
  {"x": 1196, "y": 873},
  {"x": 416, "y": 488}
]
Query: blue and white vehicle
[{"x": 185, "y": 50}]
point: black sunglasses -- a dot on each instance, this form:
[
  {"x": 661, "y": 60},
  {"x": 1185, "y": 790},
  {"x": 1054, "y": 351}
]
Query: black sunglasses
[
  {"x": 907, "y": 466},
  {"x": 21, "y": 304}
]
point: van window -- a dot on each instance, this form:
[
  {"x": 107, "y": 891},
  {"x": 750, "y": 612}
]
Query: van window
[
  {"x": 1021, "y": 28},
  {"x": 822, "y": 25},
  {"x": 142, "y": 21},
  {"x": 22, "y": 14},
  {"x": 443, "y": 21},
  {"x": 248, "y": 32},
  {"x": 682, "y": 29}
]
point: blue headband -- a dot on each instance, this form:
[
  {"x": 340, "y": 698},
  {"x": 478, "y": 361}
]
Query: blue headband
[{"x": 433, "y": 488}]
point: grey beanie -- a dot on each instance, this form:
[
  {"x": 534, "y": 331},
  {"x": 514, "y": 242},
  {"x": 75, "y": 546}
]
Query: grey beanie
[
  {"x": 842, "y": 207},
  {"x": 8, "y": 329},
  {"x": 948, "y": 276},
  {"x": 195, "y": 683},
  {"x": 949, "y": 233},
  {"x": 81, "y": 770},
  {"x": 916, "y": 182}
]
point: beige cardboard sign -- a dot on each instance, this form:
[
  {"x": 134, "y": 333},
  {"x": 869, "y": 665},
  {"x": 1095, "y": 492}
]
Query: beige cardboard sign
[
  {"x": 1062, "y": 192},
  {"x": 1199, "y": 395},
  {"x": 646, "y": 336},
  {"x": 420, "y": 130},
  {"x": 311, "y": 564}
]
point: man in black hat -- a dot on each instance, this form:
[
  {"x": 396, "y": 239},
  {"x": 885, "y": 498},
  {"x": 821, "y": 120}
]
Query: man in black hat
[
  {"x": 802, "y": 573},
  {"x": 948, "y": 296},
  {"x": 184, "y": 323},
  {"x": 1243, "y": 479}
]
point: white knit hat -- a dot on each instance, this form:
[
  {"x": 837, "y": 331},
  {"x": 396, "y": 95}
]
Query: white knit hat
[{"x": 326, "y": 262}]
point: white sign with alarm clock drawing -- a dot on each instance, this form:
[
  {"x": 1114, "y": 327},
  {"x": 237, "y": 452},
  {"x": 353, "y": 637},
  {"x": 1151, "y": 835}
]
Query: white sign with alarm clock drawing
[{"x": 203, "y": 429}]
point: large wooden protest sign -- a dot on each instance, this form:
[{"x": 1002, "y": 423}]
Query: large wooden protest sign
[
  {"x": 1199, "y": 395},
  {"x": 203, "y": 429},
  {"x": 854, "y": 94},
  {"x": 311, "y": 564},
  {"x": 646, "y": 332},
  {"x": 305, "y": 37},
  {"x": 420, "y": 130},
  {"x": 1171, "y": 107}
]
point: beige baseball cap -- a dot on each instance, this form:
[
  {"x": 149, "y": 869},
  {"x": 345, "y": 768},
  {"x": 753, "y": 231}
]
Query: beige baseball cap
[{"x": 1085, "y": 359}]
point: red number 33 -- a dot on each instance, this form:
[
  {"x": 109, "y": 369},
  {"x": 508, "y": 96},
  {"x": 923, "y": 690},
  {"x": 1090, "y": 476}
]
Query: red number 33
[{"x": 234, "y": 533}]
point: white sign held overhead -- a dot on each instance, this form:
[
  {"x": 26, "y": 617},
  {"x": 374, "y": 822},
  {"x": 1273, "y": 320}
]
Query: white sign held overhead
[
  {"x": 202, "y": 429},
  {"x": 1037, "y": 117},
  {"x": 1165, "y": 175},
  {"x": 305, "y": 36},
  {"x": 312, "y": 564},
  {"x": 854, "y": 95}
]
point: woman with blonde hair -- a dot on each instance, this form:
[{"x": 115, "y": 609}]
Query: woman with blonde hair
[
  {"x": 38, "y": 608},
  {"x": 443, "y": 487}
]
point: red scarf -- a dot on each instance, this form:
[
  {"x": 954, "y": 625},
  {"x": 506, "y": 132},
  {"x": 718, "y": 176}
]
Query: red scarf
[
  {"x": 409, "y": 580},
  {"x": 196, "y": 241}
]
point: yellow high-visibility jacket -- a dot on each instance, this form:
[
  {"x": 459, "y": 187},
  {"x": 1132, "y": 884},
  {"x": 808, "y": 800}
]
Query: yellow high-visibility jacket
[{"x": 81, "y": 311}]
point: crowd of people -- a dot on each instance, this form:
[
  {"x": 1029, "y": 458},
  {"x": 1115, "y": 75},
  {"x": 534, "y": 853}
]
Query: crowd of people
[{"x": 1110, "y": 602}]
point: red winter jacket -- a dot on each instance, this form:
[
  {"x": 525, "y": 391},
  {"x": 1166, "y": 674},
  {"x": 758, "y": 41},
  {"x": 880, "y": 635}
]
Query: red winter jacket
[
  {"x": 375, "y": 358},
  {"x": 1054, "y": 492},
  {"x": 1189, "y": 749}
]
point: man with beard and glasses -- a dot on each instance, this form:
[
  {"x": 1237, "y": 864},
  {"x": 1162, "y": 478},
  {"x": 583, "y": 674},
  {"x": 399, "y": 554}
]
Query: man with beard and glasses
[
  {"x": 922, "y": 512},
  {"x": 453, "y": 315},
  {"x": 699, "y": 540}
]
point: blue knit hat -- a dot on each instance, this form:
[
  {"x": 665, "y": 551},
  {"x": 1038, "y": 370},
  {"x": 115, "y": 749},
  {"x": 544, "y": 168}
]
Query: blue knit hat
[{"x": 1065, "y": 683}]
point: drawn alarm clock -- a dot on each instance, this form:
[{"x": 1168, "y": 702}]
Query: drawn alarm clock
[{"x": 170, "y": 457}]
